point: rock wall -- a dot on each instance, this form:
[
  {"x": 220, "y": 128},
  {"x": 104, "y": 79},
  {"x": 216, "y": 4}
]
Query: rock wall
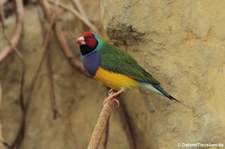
[{"x": 182, "y": 44}]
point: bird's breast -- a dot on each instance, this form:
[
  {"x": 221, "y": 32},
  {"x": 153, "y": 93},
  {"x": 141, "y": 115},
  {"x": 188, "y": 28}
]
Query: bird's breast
[
  {"x": 91, "y": 63},
  {"x": 114, "y": 80}
]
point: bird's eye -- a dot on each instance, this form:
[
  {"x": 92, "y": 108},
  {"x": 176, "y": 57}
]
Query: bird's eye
[{"x": 89, "y": 37}]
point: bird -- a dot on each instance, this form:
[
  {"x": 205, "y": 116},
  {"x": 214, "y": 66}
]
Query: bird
[{"x": 114, "y": 67}]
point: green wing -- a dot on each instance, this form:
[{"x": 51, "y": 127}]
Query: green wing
[{"x": 116, "y": 60}]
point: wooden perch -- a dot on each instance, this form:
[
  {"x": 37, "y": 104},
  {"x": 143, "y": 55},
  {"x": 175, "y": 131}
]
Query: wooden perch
[{"x": 101, "y": 124}]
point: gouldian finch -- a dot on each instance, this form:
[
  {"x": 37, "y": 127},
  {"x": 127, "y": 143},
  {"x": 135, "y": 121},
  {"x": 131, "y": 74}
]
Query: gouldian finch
[{"x": 114, "y": 67}]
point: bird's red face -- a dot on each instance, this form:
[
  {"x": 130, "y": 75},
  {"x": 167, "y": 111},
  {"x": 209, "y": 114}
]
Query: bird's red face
[
  {"x": 87, "y": 38},
  {"x": 87, "y": 42}
]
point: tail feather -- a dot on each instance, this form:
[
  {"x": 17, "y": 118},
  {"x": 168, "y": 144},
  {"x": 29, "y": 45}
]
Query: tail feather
[
  {"x": 162, "y": 91},
  {"x": 172, "y": 98},
  {"x": 158, "y": 89}
]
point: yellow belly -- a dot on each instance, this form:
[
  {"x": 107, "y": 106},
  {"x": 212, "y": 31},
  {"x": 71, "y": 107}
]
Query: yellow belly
[{"x": 114, "y": 80}]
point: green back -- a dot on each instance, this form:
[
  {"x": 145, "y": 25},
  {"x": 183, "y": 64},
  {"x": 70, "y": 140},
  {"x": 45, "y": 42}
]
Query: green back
[{"x": 116, "y": 60}]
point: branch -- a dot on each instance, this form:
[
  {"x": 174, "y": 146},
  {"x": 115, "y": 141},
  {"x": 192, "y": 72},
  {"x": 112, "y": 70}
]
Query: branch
[
  {"x": 78, "y": 15},
  {"x": 74, "y": 62},
  {"x": 102, "y": 122},
  {"x": 20, "y": 134},
  {"x": 2, "y": 2},
  {"x": 51, "y": 86},
  {"x": 62, "y": 41},
  {"x": 55, "y": 108},
  {"x": 25, "y": 106},
  {"x": 77, "y": 4},
  {"x": 105, "y": 136},
  {"x": 48, "y": 59},
  {"x": 17, "y": 34}
]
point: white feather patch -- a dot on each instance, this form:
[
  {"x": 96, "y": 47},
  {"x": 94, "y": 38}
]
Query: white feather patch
[{"x": 150, "y": 87}]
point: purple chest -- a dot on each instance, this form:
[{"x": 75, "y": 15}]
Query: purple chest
[{"x": 91, "y": 63}]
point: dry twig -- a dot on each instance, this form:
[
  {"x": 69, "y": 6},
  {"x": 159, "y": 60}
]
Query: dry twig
[
  {"x": 25, "y": 106},
  {"x": 48, "y": 59},
  {"x": 62, "y": 41},
  {"x": 68, "y": 53},
  {"x": 78, "y": 5},
  {"x": 45, "y": 47},
  {"x": 102, "y": 122},
  {"x": 51, "y": 86},
  {"x": 19, "y": 135},
  {"x": 78, "y": 15},
  {"x": 56, "y": 110},
  {"x": 2, "y": 2},
  {"x": 17, "y": 34}
]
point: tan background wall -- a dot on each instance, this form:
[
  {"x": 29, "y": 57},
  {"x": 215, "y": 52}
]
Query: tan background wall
[{"x": 180, "y": 42}]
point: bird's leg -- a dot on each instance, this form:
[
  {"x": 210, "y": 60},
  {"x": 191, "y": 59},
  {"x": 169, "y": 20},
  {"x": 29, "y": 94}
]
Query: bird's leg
[
  {"x": 110, "y": 91},
  {"x": 113, "y": 94}
]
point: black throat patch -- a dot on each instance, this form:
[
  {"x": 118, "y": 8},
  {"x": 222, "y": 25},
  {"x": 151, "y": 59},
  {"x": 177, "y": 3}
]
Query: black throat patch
[{"x": 84, "y": 49}]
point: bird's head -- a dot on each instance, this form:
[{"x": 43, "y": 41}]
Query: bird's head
[{"x": 87, "y": 42}]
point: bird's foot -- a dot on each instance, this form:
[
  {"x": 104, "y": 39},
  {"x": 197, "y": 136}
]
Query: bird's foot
[
  {"x": 114, "y": 99},
  {"x": 112, "y": 95},
  {"x": 110, "y": 91}
]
